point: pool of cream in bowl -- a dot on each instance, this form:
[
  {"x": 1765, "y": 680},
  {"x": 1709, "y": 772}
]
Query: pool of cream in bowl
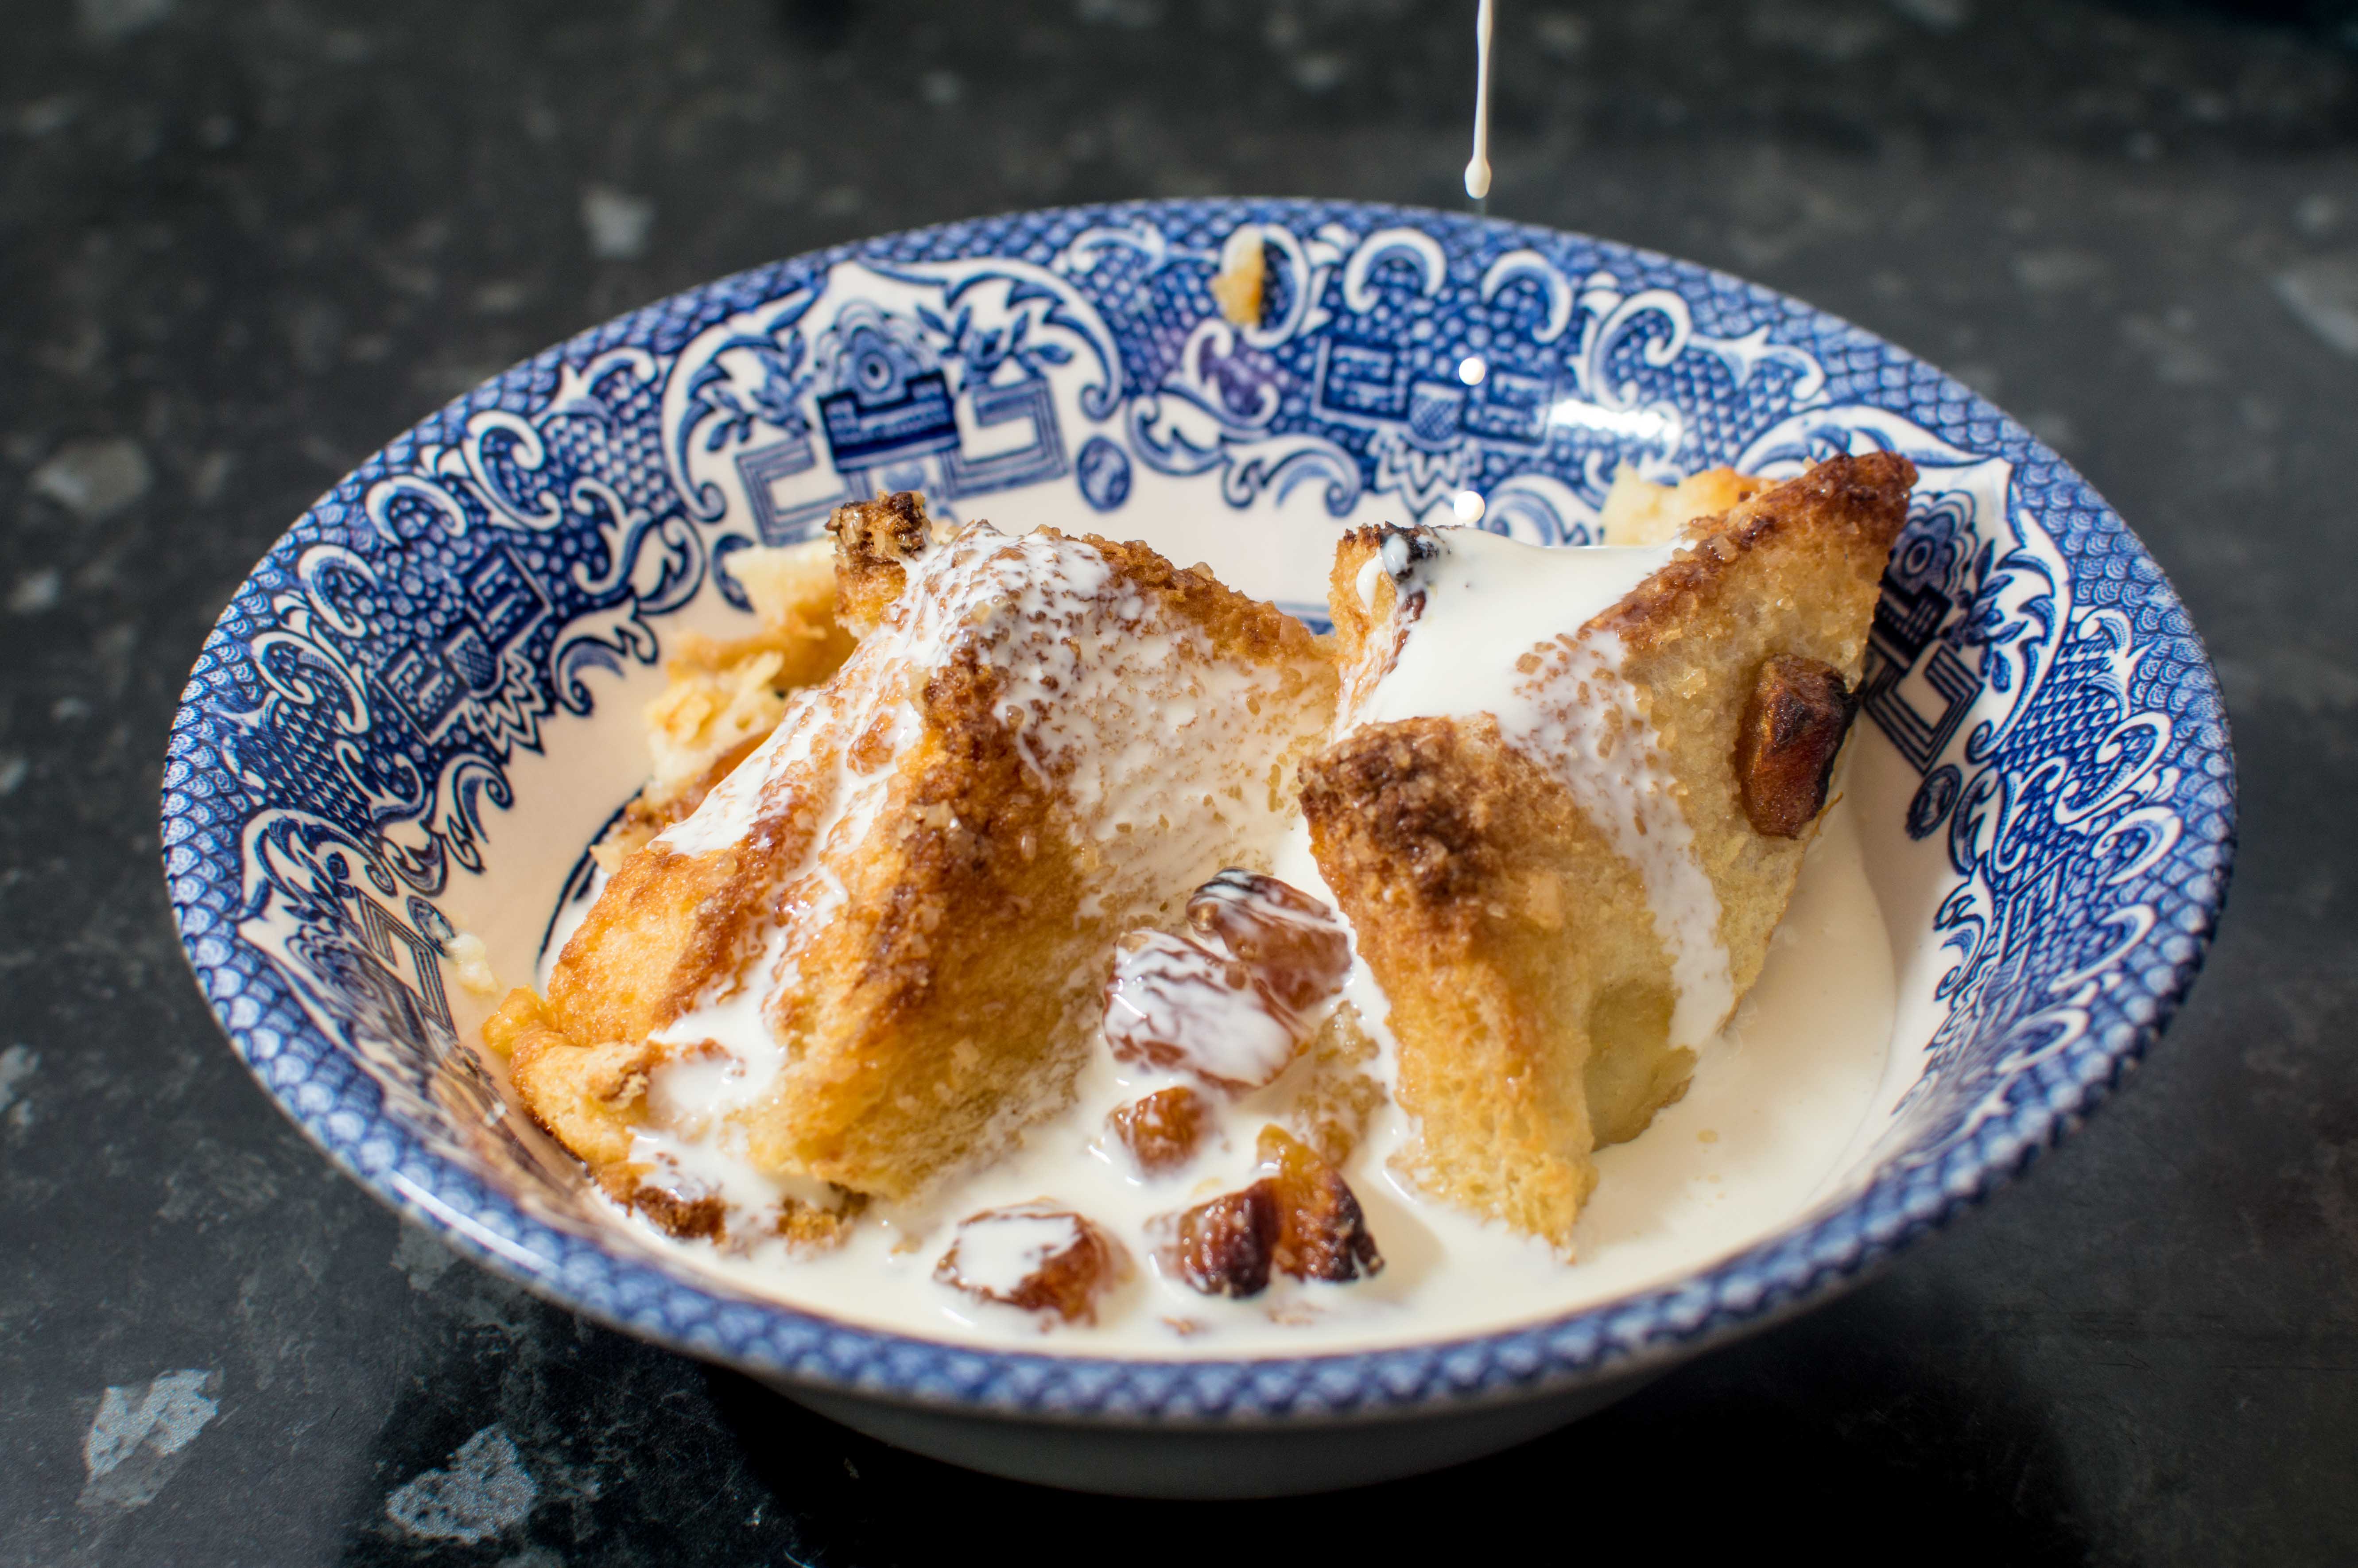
[{"x": 1778, "y": 1100}]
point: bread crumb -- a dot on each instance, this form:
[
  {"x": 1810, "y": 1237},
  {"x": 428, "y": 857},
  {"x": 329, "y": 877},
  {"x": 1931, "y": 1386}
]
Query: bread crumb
[
  {"x": 472, "y": 962},
  {"x": 1237, "y": 286}
]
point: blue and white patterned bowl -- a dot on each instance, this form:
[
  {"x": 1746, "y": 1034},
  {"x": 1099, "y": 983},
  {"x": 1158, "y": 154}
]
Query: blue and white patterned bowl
[{"x": 423, "y": 703}]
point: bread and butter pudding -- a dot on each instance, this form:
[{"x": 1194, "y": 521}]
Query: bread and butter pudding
[{"x": 1026, "y": 931}]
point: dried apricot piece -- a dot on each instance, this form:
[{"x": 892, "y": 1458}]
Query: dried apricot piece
[
  {"x": 1034, "y": 1256},
  {"x": 1292, "y": 943},
  {"x": 1225, "y": 1245},
  {"x": 1301, "y": 1218},
  {"x": 1176, "y": 1004},
  {"x": 1163, "y": 1130},
  {"x": 1791, "y": 731},
  {"x": 1321, "y": 1231}
]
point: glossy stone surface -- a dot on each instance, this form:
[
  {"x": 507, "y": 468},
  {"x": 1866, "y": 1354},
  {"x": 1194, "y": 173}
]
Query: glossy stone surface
[{"x": 245, "y": 245}]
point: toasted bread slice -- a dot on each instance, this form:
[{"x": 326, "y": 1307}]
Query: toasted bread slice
[
  {"x": 905, "y": 895},
  {"x": 1508, "y": 881}
]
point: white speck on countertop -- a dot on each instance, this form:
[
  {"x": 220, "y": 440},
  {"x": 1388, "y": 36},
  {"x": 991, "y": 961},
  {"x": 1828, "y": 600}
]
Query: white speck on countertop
[
  {"x": 95, "y": 478},
  {"x": 141, "y": 1436},
  {"x": 209, "y": 476},
  {"x": 617, "y": 222},
  {"x": 46, "y": 116},
  {"x": 35, "y": 591},
  {"x": 18, "y": 1062},
  {"x": 104, "y": 21},
  {"x": 423, "y": 1258},
  {"x": 485, "y": 1492},
  {"x": 2179, "y": 359},
  {"x": 1936, "y": 16},
  {"x": 1135, "y": 14},
  {"x": 2322, "y": 295},
  {"x": 2054, "y": 271}
]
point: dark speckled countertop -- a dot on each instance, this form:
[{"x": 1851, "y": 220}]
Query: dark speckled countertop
[{"x": 241, "y": 245}]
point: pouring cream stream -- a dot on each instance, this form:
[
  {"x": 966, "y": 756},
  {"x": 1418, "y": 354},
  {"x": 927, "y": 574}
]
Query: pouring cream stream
[{"x": 1478, "y": 168}]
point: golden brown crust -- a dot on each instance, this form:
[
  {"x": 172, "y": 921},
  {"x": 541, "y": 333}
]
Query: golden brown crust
[
  {"x": 807, "y": 1227},
  {"x": 669, "y": 925},
  {"x": 704, "y": 1218},
  {"x": 1420, "y": 836},
  {"x": 1239, "y": 626},
  {"x": 946, "y": 1017}
]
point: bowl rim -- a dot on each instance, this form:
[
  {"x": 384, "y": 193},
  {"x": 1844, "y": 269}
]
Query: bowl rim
[{"x": 1828, "y": 1249}]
